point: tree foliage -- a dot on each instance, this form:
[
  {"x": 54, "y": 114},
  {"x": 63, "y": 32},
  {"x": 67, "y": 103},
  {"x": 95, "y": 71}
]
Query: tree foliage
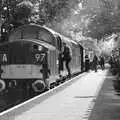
[
  {"x": 23, "y": 10},
  {"x": 106, "y": 21},
  {"x": 45, "y": 10},
  {"x": 14, "y": 13},
  {"x": 18, "y": 12},
  {"x": 52, "y": 10}
]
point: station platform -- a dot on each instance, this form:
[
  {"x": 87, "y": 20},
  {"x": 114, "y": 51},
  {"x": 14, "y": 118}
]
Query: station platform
[
  {"x": 107, "y": 104},
  {"x": 79, "y": 100}
]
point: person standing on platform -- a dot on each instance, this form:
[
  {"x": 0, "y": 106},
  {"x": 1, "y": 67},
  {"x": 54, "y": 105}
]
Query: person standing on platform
[
  {"x": 111, "y": 61},
  {"x": 95, "y": 62},
  {"x": 102, "y": 62},
  {"x": 87, "y": 63},
  {"x": 67, "y": 56}
]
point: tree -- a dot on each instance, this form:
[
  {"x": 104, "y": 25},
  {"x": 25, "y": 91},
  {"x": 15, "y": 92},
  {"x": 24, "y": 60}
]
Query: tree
[
  {"x": 18, "y": 12},
  {"x": 106, "y": 21},
  {"x": 23, "y": 10},
  {"x": 52, "y": 10},
  {"x": 14, "y": 13}
]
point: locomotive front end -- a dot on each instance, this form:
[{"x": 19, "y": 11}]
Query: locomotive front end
[{"x": 23, "y": 65}]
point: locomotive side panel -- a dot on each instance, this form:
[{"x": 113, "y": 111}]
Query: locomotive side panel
[
  {"x": 76, "y": 58},
  {"x": 52, "y": 61}
]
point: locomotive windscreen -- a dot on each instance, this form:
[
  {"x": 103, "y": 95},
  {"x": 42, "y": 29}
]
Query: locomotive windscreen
[{"x": 21, "y": 53}]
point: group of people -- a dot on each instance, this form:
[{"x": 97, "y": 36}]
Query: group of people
[
  {"x": 94, "y": 63},
  {"x": 113, "y": 61},
  {"x": 65, "y": 57}
]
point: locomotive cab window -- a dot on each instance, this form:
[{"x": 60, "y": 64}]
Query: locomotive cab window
[
  {"x": 35, "y": 47},
  {"x": 58, "y": 42}
]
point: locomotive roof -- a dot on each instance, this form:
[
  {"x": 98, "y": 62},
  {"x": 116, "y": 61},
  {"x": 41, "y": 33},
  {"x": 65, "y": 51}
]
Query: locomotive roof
[
  {"x": 44, "y": 44},
  {"x": 64, "y": 39},
  {"x": 33, "y": 33}
]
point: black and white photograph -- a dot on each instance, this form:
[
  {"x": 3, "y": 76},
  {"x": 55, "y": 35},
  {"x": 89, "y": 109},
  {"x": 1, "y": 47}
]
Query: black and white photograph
[{"x": 59, "y": 59}]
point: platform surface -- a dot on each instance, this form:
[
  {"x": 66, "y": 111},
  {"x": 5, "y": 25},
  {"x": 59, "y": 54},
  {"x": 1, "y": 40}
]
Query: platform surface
[
  {"x": 75, "y": 102},
  {"x": 107, "y": 105}
]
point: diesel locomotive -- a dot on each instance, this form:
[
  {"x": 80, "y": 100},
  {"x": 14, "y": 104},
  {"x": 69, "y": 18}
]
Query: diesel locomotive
[{"x": 29, "y": 58}]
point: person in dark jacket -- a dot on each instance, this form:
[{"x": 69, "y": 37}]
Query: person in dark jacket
[
  {"x": 102, "y": 62},
  {"x": 67, "y": 57},
  {"x": 111, "y": 61},
  {"x": 87, "y": 63},
  {"x": 95, "y": 62}
]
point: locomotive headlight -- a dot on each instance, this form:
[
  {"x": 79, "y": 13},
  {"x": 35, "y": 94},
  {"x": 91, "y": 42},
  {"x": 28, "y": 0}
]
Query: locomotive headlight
[
  {"x": 40, "y": 48},
  {"x": 2, "y": 85}
]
